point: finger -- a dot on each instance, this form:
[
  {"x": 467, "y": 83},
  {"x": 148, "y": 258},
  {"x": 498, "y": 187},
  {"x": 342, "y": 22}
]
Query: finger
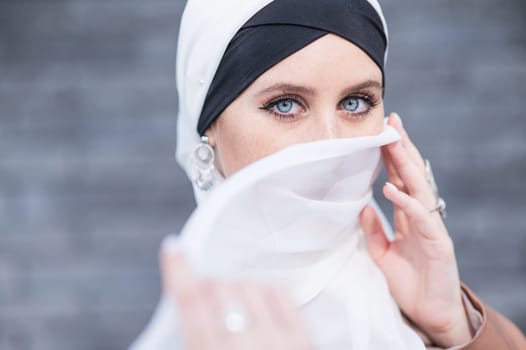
[
  {"x": 395, "y": 121},
  {"x": 413, "y": 209},
  {"x": 413, "y": 179},
  {"x": 219, "y": 295},
  {"x": 286, "y": 316},
  {"x": 283, "y": 311},
  {"x": 392, "y": 173},
  {"x": 262, "y": 331},
  {"x": 377, "y": 243},
  {"x": 227, "y": 297},
  {"x": 182, "y": 287},
  {"x": 177, "y": 278},
  {"x": 253, "y": 296},
  {"x": 271, "y": 323}
]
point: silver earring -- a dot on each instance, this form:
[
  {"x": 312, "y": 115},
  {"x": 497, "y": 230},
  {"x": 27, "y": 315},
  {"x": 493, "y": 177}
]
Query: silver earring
[{"x": 202, "y": 165}]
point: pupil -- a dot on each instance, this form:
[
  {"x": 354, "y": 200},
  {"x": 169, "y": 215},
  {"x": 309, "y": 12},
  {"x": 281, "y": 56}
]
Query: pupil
[
  {"x": 285, "y": 106},
  {"x": 351, "y": 104}
]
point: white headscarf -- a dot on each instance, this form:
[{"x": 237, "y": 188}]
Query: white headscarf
[
  {"x": 290, "y": 218},
  {"x": 207, "y": 27}
]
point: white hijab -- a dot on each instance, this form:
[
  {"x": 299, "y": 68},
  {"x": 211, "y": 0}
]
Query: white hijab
[
  {"x": 289, "y": 219},
  {"x": 207, "y": 26},
  {"x": 292, "y": 219}
]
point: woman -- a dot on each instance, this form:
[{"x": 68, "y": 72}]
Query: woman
[{"x": 283, "y": 100}]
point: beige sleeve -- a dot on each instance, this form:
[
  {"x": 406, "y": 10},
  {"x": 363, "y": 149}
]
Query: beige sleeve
[
  {"x": 491, "y": 330},
  {"x": 496, "y": 331}
]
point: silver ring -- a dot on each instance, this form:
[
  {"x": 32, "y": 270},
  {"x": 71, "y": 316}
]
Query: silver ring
[
  {"x": 235, "y": 318},
  {"x": 440, "y": 205}
]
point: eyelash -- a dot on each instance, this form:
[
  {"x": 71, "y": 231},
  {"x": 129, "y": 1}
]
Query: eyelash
[
  {"x": 275, "y": 101},
  {"x": 369, "y": 98}
]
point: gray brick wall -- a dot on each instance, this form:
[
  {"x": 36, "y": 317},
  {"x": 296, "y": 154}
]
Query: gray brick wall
[{"x": 88, "y": 184}]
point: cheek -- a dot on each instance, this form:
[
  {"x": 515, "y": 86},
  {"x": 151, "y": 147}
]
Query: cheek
[
  {"x": 373, "y": 124},
  {"x": 376, "y": 122},
  {"x": 242, "y": 138},
  {"x": 240, "y": 142},
  {"x": 239, "y": 151}
]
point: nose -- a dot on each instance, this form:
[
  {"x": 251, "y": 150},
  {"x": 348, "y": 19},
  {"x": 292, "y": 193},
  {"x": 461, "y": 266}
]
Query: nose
[{"x": 326, "y": 126}]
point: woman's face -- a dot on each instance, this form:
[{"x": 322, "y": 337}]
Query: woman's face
[{"x": 329, "y": 89}]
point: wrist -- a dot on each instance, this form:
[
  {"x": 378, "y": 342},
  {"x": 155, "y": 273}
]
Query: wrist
[{"x": 455, "y": 333}]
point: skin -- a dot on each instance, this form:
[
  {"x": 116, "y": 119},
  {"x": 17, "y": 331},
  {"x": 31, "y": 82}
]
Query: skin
[
  {"x": 274, "y": 322},
  {"x": 245, "y": 133},
  {"x": 336, "y": 95}
]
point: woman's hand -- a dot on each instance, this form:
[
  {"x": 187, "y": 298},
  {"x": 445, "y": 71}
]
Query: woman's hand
[
  {"x": 419, "y": 265},
  {"x": 217, "y": 314}
]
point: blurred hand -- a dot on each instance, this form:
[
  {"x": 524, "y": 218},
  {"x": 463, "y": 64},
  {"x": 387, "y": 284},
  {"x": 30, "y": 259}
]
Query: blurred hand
[
  {"x": 261, "y": 318},
  {"x": 419, "y": 265}
]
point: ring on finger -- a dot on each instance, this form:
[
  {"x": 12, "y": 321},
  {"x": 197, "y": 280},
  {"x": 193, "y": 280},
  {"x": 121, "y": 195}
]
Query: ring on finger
[
  {"x": 440, "y": 205},
  {"x": 440, "y": 208},
  {"x": 235, "y": 317}
]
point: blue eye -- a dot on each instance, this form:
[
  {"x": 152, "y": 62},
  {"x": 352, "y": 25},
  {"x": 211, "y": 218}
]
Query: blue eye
[
  {"x": 355, "y": 104},
  {"x": 284, "y": 106}
]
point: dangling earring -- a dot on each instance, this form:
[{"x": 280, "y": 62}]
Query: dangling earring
[{"x": 202, "y": 165}]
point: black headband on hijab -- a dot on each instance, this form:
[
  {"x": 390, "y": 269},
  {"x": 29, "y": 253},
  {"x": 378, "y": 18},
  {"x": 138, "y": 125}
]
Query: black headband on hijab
[{"x": 280, "y": 29}]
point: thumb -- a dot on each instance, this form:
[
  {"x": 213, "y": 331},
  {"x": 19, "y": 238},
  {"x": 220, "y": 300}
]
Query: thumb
[
  {"x": 177, "y": 278},
  {"x": 373, "y": 230}
]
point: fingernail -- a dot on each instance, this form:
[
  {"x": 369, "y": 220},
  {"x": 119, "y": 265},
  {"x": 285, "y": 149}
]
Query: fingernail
[
  {"x": 397, "y": 117},
  {"x": 171, "y": 244},
  {"x": 391, "y": 186}
]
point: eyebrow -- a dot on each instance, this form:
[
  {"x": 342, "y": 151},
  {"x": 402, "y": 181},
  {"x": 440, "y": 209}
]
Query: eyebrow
[{"x": 303, "y": 90}]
